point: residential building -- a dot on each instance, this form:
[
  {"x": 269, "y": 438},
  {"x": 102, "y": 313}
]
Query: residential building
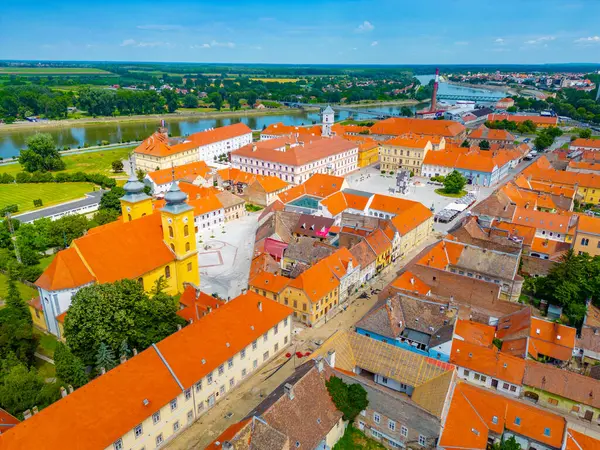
[
  {"x": 412, "y": 323},
  {"x": 160, "y": 152},
  {"x": 492, "y": 136},
  {"x": 585, "y": 144},
  {"x": 305, "y": 197},
  {"x": 158, "y": 393},
  {"x": 488, "y": 367},
  {"x": 269, "y": 285},
  {"x": 581, "y": 440},
  {"x": 279, "y": 129},
  {"x": 209, "y": 213},
  {"x": 539, "y": 121},
  {"x": 264, "y": 190},
  {"x": 294, "y": 161},
  {"x": 478, "y": 418},
  {"x": 399, "y": 126},
  {"x": 474, "y": 332},
  {"x": 405, "y": 153},
  {"x": 234, "y": 207},
  {"x": 505, "y": 103},
  {"x": 368, "y": 152},
  {"x": 366, "y": 258},
  {"x": 316, "y": 227},
  {"x": 587, "y": 236},
  {"x": 382, "y": 247},
  {"x": 346, "y": 270},
  {"x": 194, "y": 304},
  {"x": 587, "y": 345},
  {"x": 145, "y": 246},
  {"x": 583, "y": 167},
  {"x": 233, "y": 180},
  {"x": 304, "y": 251},
  {"x": 197, "y": 173}
]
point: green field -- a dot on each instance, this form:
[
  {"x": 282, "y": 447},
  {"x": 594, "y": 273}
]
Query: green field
[
  {"x": 45, "y": 369},
  {"x": 51, "y": 71},
  {"x": 45, "y": 261},
  {"x": 26, "y": 292},
  {"x": 50, "y": 193},
  {"x": 47, "y": 343},
  {"x": 100, "y": 162}
]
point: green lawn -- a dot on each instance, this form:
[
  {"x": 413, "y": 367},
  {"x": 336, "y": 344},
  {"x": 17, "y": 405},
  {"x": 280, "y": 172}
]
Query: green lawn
[
  {"x": 26, "y": 292},
  {"x": 354, "y": 439},
  {"x": 47, "y": 343},
  {"x": 45, "y": 261},
  {"x": 100, "y": 161},
  {"x": 50, "y": 193},
  {"x": 45, "y": 369},
  {"x": 441, "y": 192}
]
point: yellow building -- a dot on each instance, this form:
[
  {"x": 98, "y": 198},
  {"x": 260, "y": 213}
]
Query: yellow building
[
  {"x": 269, "y": 285},
  {"x": 368, "y": 153},
  {"x": 147, "y": 246},
  {"x": 587, "y": 236},
  {"x": 405, "y": 153}
]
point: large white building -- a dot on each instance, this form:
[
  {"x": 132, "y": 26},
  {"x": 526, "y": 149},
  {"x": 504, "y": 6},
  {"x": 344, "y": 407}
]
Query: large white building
[
  {"x": 294, "y": 160},
  {"x": 161, "y": 152}
]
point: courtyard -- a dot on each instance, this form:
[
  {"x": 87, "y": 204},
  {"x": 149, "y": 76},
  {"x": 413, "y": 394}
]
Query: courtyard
[{"x": 224, "y": 256}]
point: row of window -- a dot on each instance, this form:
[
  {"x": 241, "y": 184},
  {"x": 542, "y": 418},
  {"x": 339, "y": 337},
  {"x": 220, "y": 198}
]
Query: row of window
[
  {"x": 392, "y": 426},
  {"x": 585, "y": 242}
]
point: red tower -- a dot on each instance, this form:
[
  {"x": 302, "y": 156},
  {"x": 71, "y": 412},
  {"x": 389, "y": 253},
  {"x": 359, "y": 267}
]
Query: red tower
[{"x": 435, "y": 89}]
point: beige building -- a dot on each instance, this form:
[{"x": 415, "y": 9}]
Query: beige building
[
  {"x": 144, "y": 402},
  {"x": 234, "y": 207},
  {"x": 405, "y": 153},
  {"x": 587, "y": 236}
]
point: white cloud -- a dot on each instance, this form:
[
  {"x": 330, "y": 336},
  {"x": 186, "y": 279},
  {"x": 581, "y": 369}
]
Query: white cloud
[
  {"x": 365, "y": 27},
  {"x": 461, "y": 43},
  {"x": 499, "y": 41},
  {"x": 200, "y": 46},
  {"x": 160, "y": 27},
  {"x": 134, "y": 43},
  {"x": 214, "y": 43},
  {"x": 540, "y": 40},
  {"x": 374, "y": 43},
  {"x": 588, "y": 40},
  {"x": 128, "y": 42}
]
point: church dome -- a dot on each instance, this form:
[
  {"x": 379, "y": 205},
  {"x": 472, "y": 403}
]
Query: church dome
[
  {"x": 174, "y": 195},
  {"x": 133, "y": 185}
]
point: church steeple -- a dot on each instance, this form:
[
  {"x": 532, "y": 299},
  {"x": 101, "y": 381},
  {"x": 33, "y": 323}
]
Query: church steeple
[
  {"x": 328, "y": 120},
  {"x": 135, "y": 203}
]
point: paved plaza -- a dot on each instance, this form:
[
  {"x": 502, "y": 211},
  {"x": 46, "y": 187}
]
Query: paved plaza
[{"x": 224, "y": 256}]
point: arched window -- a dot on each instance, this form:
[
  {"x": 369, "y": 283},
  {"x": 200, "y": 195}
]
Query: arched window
[
  {"x": 170, "y": 231},
  {"x": 141, "y": 282},
  {"x": 187, "y": 246},
  {"x": 186, "y": 230},
  {"x": 129, "y": 217},
  {"x": 143, "y": 214},
  {"x": 173, "y": 247},
  {"x": 167, "y": 272}
]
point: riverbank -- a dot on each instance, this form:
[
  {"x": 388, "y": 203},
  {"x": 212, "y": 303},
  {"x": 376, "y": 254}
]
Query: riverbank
[
  {"x": 185, "y": 115},
  {"x": 479, "y": 86}
]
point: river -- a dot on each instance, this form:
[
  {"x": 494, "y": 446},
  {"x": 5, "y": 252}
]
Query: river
[{"x": 77, "y": 135}]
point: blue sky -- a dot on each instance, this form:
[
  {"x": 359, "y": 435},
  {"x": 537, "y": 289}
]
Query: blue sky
[{"x": 310, "y": 31}]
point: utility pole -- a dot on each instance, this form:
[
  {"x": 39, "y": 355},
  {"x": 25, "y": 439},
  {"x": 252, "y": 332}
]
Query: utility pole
[{"x": 13, "y": 237}]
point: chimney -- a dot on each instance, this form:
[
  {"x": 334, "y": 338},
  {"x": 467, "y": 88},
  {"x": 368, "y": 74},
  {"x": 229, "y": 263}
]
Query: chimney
[
  {"x": 320, "y": 365},
  {"x": 178, "y": 327},
  {"x": 289, "y": 390},
  {"x": 331, "y": 358},
  {"x": 26, "y": 414},
  {"x": 135, "y": 352},
  {"x": 35, "y": 410},
  {"x": 102, "y": 370},
  {"x": 123, "y": 359},
  {"x": 412, "y": 280},
  {"x": 63, "y": 392},
  {"x": 260, "y": 306},
  {"x": 350, "y": 266},
  {"x": 70, "y": 388},
  {"x": 254, "y": 147},
  {"x": 226, "y": 445}
]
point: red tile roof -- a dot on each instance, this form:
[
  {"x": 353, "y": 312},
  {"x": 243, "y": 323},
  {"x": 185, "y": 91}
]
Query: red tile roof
[
  {"x": 588, "y": 143},
  {"x": 400, "y": 126},
  {"x": 316, "y": 282},
  {"x": 538, "y": 120},
  {"x": 409, "y": 282},
  {"x": 187, "y": 172},
  {"x": 579, "y": 441},
  {"x": 488, "y": 134},
  {"x": 474, "y": 332},
  {"x": 196, "y": 304},
  {"x": 67, "y": 270},
  {"x": 280, "y": 129},
  {"x": 7, "y": 421}
]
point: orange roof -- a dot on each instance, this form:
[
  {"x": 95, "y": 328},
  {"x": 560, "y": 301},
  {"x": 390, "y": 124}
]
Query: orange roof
[
  {"x": 185, "y": 172},
  {"x": 588, "y": 224},
  {"x": 228, "y": 434},
  {"x": 551, "y": 339},
  {"x": 124, "y": 250},
  {"x": 219, "y": 134},
  {"x": 408, "y": 141},
  {"x": 486, "y": 133},
  {"x": 319, "y": 185},
  {"x": 339, "y": 261},
  {"x": 589, "y": 143},
  {"x": 340, "y": 201},
  {"x": 378, "y": 241},
  {"x": 196, "y": 304},
  {"x": 316, "y": 282},
  {"x": 538, "y": 120},
  {"x": 556, "y": 222},
  {"x": 391, "y": 205},
  {"x": 195, "y": 192},
  {"x": 443, "y": 158},
  {"x": 205, "y": 204},
  {"x": 286, "y": 151},
  {"x": 549, "y": 247},
  {"x": 270, "y": 282},
  {"x": 36, "y": 303},
  {"x": 474, "y": 412},
  {"x": 442, "y": 254},
  {"x": 524, "y": 231},
  {"x": 488, "y": 361},
  {"x": 398, "y": 126},
  {"x": 280, "y": 129},
  {"x": 578, "y": 441},
  {"x": 411, "y": 283},
  {"x": 6, "y": 421},
  {"x": 271, "y": 183},
  {"x": 409, "y": 219},
  {"x": 584, "y": 165},
  {"x": 66, "y": 271},
  {"x": 475, "y": 332}
]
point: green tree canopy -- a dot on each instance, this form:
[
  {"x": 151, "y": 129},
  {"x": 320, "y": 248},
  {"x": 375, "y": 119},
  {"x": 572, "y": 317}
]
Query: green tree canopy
[
  {"x": 454, "y": 182},
  {"x": 113, "y": 312},
  {"x": 216, "y": 99},
  {"x": 117, "y": 166},
  {"x": 349, "y": 399},
  {"x": 585, "y": 133},
  {"x": 111, "y": 199},
  {"x": 484, "y": 145},
  {"x": 41, "y": 154},
  {"x": 69, "y": 368},
  {"x": 190, "y": 101},
  {"x": 105, "y": 357}
]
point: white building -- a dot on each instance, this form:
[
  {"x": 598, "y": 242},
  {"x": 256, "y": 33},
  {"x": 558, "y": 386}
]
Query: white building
[
  {"x": 328, "y": 120},
  {"x": 197, "y": 173}
]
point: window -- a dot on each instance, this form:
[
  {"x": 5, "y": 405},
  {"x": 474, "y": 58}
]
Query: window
[
  {"x": 495, "y": 419},
  {"x": 403, "y": 431},
  {"x": 553, "y": 401},
  {"x": 547, "y": 432},
  {"x": 266, "y": 337},
  {"x": 186, "y": 230},
  {"x": 244, "y": 372},
  {"x": 200, "y": 407},
  {"x": 376, "y": 417},
  {"x": 118, "y": 445},
  {"x": 384, "y": 380},
  {"x": 188, "y": 394},
  {"x": 392, "y": 425},
  {"x": 477, "y": 377},
  {"x": 232, "y": 382},
  {"x": 222, "y": 389},
  {"x": 517, "y": 421},
  {"x": 466, "y": 372},
  {"x": 173, "y": 404},
  {"x": 187, "y": 246},
  {"x": 176, "y": 426},
  {"x": 209, "y": 379},
  {"x": 285, "y": 340},
  {"x": 275, "y": 329},
  {"x": 221, "y": 369},
  {"x": 156, "y": 417},
  {"x": 189, "y": 267},
  {"x": 254, "y": 345},
  {"x": 255, "y": 363},
  {"x": 190, "y": 415},
  {"x": 230, "y": 363},
  {"x": 575, "y": 408},
  {"x": 243, "y": 354},
  {"x": 167, "y": 272},
  {"x": 513, "y": 389},
  {"x": 173, "y": 247},
  {"x": 285, "y": 321},
  {"x": 138, "y": 431},
  {"x": 159, "y": 439},
  {"x": 585, "y": 241},
  {"x": 170, "y": 231},
  {"x": 265, "y": 355}
]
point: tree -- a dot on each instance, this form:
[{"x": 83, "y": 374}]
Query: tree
[
  {"x": 105, "y": 357},
  {"x": 61, "y": 232},
  {"x": 406, "y": 111},
  {"x": 69, "y": 367},
  {"x": 543, "y": 141},
  {"x": 124, "y": 349},
  {"x": 140, "y": 174},
  {"x": 111, "y": 199},
  {"x": 507, "y": 444},
  {"x": 112, "y": 312},
  {"x": 170, "y": 99},
  {"x": 511, "y": 109},
  {"x": 104, "y": 216},
  {"x": 484, "y": 145},
  {"x": 41, "y": 154},
  {"x": 251, "y": 98},
  {"x": 117, "y": 166},
  {"x": 454, "y": 183},
  {"x": 465, "y": 144},
  {"x": 349, "y": 399},
  {"x": 190, "y": 101},
  {"x": 216, "y": 99},
  {"x": 585, "y": 133}
]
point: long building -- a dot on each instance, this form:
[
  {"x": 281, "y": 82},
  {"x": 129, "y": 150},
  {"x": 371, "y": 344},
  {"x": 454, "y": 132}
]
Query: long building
[
  {"x": 161, "y": 152},
  {"x": 294, "y": 160},
  {"x": 149, "y": 399},
  {"x": 396, "y": 126}
]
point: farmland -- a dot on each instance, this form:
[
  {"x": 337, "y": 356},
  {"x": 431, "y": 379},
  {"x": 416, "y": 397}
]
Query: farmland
[
  {"x": 276, "y": 80},
  {"x": 52, "y": 71},
  {"x": 50, "y": 193}
]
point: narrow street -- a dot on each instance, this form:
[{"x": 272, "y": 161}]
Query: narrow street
[{"x": 256, "y": 387}]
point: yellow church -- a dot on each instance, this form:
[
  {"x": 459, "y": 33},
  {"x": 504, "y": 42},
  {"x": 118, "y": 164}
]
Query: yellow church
[{"x": 146, "y": 245}]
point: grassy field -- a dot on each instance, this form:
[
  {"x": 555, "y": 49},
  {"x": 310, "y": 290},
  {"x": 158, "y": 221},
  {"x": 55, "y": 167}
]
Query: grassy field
[
  {"x": 50, "y": 71},
  {"x": 26, "y": 292},
  {"x": 276, "y": 80},
  {"x": 47, "y": 343},
  {"x": 354, "y": 439},
  {"x": 85, "y": 162},
  {"x": 45, "y": 261},
  {"x": 45, "y": 369},
  {"x": 50, "y": 194},
  {"x": 441, "y": 192}
]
